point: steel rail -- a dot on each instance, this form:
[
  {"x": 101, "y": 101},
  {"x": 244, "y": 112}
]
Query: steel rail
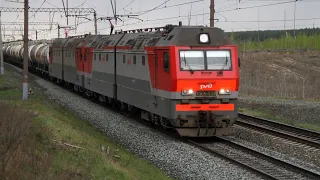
[
  {"x": 286, "y": 131},
  {"x": 264, "y": 171}
]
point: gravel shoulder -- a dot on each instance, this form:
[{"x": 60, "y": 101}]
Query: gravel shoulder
[
  {"x": 177, "y": 159},
  {"x": 304, "y": 114}
]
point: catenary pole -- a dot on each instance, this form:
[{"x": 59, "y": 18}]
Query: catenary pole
[
  {"x": 1, "y": 53},
  {"x": 211, "y": 13},
  {"x": 25, "y": 57}
]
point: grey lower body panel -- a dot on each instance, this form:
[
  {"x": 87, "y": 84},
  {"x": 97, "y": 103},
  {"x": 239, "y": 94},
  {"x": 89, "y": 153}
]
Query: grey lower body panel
[
  {"x": 145, "y": 101},
  {"x": 101, "y": 87},
  {"x": 71, "y": 75},
  {"x": 55, "y": 70}
]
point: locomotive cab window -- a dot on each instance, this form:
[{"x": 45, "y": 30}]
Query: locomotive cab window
[
  {"x": 217, "y": 60},
  {"x": 99, "y": 57},
  {"x": 166, "y": 61},
  {"x": 212, "y": 60}
]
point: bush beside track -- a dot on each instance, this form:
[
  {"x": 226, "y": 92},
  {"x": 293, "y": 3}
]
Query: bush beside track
[{"x": 42, "y": 140}]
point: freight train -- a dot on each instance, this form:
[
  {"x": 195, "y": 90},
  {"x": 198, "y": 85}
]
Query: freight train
[{"x": 180, "y": 77}]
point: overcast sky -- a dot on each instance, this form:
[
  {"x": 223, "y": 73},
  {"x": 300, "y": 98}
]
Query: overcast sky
[{"x": 229, "y": 13}]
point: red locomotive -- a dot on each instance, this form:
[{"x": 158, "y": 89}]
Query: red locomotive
[{"x": 181, "y": 77}]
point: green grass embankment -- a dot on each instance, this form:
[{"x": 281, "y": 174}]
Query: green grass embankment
[
  {"x": 42, "y": 140},
  {"x": 301, "y": 41}
]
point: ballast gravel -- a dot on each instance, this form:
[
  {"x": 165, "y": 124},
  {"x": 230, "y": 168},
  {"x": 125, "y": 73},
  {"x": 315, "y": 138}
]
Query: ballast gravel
[
  {"x": 176, "y": 159},
  {"x": 296, "y": 153},
  {"x": 258, "y": 163}
]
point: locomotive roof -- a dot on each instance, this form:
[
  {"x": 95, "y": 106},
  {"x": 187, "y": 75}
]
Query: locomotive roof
[
  {"x": 177, "y": 36},
  {"x": 189, "y": 36}
]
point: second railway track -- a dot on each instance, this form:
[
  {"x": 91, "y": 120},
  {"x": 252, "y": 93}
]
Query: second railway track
[
  {"x": 264, "y": 165},
  {"x": 304, "y": 136}
]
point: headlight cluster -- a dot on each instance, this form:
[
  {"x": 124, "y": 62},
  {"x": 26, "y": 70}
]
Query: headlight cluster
[
  {"x": 204, "y": 38},
  {"x": 224, "y": 91},
  {"x": 186, "y": 92}
]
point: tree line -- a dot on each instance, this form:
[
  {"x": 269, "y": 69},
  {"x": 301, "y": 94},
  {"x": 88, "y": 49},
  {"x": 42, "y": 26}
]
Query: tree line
[{"x": 258, "y": 36}]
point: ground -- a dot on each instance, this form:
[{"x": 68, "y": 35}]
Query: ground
[
  {"x": 40, "y": 139},
  {"x": 292, "y": 75},
  {"x": 281, "y": 85}
]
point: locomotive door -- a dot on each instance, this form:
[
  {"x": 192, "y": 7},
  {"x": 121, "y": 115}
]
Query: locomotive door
[
  {"x": 62, "y": 63},
  {"x": 80, "y": 66},
  {"x": 162, "y": 76},
  {"x": 156, "y": 69}
]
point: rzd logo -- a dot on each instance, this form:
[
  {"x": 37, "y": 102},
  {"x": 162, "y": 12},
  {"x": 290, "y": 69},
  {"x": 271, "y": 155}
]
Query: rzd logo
[{"x": 206, "y": 86}]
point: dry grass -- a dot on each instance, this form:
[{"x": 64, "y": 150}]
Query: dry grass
[
  {"x": 18, "y": 137},
  {"x": 39, "y": 139},
  {"x": 281, "y": 74}
]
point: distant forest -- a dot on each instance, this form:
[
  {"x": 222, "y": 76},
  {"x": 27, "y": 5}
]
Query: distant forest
[{"x": 256, "y": 36}]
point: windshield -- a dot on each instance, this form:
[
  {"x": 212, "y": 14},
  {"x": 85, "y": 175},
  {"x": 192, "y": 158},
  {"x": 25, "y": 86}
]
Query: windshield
[
  {"x": 214, "y": 60},
  {"x": 218, "y": 60},
  {"x": 192, "y": 60}
]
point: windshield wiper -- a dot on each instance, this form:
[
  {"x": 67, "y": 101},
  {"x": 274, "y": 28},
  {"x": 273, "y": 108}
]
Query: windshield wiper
[
  {"x": 186, "y": 63},
  {"x": 225, "y": 63}
]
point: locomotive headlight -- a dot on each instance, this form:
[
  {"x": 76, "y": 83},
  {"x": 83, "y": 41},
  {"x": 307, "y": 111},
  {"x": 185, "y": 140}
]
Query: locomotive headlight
[
  {"x": 224, "y": 91},
  {"x": 187, "y": 92},
  {"x": 204, "y": 38}
]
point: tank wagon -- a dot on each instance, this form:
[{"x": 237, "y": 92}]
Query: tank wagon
[
  {"x": 180, "y": 77},
  {"x": 38, "y": 54}
]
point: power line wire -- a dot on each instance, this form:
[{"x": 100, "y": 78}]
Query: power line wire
[
  {"x": 128, "y": 4},
  {"x": 275, "y": 20},
  {"x": 52, "y": 4},
  {"x": 174, "y": 5},
  {"x": 155, "y": 7},
  {"x": 234, "y": 21},
  {"x": 38, "y": 9},
  {"x": 259, "y": 6},
  {"x": 81, "y": 4}
]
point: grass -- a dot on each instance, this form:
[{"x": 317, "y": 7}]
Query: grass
[
  {"x": 266, "y": 115},
  {"x": 301, "y": 41},
  {"x": 48, "y": 158}
]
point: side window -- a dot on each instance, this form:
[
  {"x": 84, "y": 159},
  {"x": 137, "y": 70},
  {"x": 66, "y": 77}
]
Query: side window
[
  {"x": 143, "y": 60},
  {"x": 166, "y": 61},
  {"x": 95, "y": 56},
  {"x": 99, "y": 57},
  {"x": 134, "y": 59},
  {"x": 124, "y": 58},
  {"x": 85, "y": 56}
]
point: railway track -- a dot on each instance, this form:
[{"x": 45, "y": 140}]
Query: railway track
[
  {"x": 263, "y": 165},
  {"x": 259, "y": 163},
  {"x": 304, "y": 136}
]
